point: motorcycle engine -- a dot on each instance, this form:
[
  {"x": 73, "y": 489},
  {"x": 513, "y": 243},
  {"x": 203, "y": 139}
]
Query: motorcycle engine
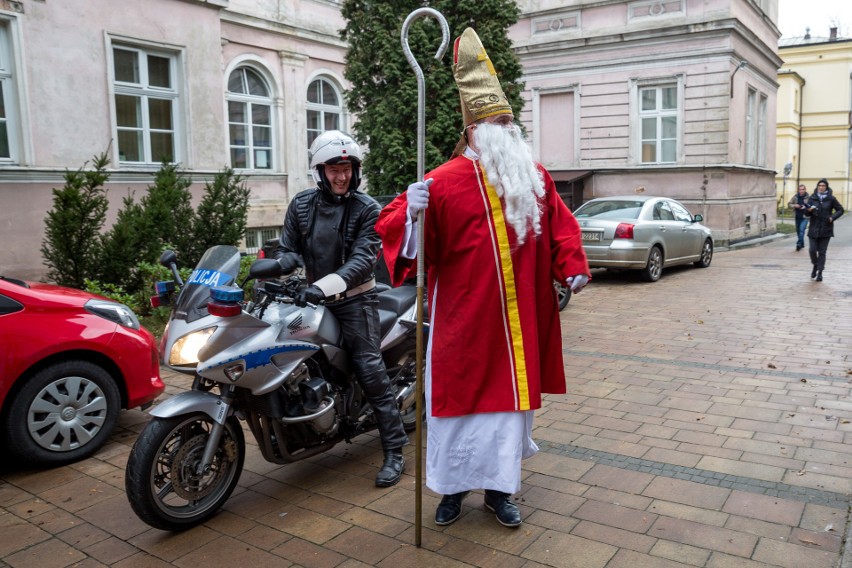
[{"x": 315, "y": 396}]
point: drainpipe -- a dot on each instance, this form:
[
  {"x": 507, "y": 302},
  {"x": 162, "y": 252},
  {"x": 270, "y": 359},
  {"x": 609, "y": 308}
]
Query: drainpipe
[{"x": 799, "y": 151}]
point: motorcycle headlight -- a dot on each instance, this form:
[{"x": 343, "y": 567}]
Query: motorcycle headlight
[
  {"x": 185, "y": 349},
  {"x": 114, "y": 312}
]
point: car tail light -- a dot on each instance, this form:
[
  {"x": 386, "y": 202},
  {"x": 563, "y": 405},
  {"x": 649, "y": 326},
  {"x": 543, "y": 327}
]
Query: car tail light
[{"x": 624, "y": 231}]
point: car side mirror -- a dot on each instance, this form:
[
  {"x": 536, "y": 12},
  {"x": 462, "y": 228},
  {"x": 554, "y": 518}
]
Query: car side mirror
[{"x": 698, "y": 218}]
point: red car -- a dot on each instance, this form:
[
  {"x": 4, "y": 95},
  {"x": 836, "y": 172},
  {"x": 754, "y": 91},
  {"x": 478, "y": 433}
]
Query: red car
[{"x": 69, "y": 362}]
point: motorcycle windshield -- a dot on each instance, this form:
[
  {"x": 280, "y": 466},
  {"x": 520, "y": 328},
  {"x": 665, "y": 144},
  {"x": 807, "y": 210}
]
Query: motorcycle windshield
[{"x": 218, "y": 267}]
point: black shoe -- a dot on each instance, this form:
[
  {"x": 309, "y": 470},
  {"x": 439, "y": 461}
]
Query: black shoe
[
  {"x": 819, "y": 276},
  {"x": 799, "y": 247},
  {"x": 507, "y": 512},
  {"x": 391, "y": 469},
  {"x": 813, "y": 273},
  {"x": 450, "y": 508}
]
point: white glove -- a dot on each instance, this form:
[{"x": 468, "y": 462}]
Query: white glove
[
  {"x": 417, "y": 195},
  {"x": 577, "y": 283}
]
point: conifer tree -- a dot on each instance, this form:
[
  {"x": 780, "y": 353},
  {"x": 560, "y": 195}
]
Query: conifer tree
[
  {"x": 71, "y": 244},
  {"x": 221, "y": 217},
  {"x": 384, "y": 87}
]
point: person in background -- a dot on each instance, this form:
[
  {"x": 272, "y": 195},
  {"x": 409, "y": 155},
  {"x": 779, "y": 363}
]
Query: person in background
[
  {"x": 798, "y": 203},
  {"x": 332, "y": 227},
  {"x": 496, "y": 236},
  {"x": 823, "y": 209}
]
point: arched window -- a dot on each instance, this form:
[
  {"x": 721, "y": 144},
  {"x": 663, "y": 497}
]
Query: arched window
[
  {"x": 325, "y": 108},
  {"x": 249, "y": 120}
]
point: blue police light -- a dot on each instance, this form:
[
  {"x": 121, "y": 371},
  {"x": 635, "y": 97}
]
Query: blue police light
[{"x": 227, "y": 294}]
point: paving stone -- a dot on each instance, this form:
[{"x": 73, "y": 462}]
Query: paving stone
[
  {"x": 226, "y": 551},
  {"x": 51, "y": 553},
  {"x": 770, "y": 509},
  {"x": 791, "y": 555},
  {"x": 614, "y": 536},
  {"x": 679, "y": 552},
  {"x": 696, "y": 514},
  {"x": 703, "y": 536},
  {"x": 305, "y": 524},
  {"x": 568, "y": 551},
  {"x": 616, "y": 516},
  {"x": 17, "y": 534},
  {"x": 686, "y": 492}
]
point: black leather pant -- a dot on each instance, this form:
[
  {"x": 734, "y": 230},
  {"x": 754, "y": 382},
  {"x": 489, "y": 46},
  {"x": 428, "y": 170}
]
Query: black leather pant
[
  {"x": 359, "y": 321},
  {"x": 817, "y": 249}
]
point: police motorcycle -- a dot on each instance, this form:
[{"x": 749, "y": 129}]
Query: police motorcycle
[{"x": 281, "y": 369}]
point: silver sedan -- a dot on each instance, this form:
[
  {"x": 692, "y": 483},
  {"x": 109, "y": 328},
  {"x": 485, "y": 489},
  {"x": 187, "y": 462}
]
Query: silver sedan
[{"x": 643, "y": 233}]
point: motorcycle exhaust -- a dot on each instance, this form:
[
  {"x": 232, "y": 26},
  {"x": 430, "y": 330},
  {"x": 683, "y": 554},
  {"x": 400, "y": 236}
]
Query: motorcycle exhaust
[{"x": 406, "y": 396}]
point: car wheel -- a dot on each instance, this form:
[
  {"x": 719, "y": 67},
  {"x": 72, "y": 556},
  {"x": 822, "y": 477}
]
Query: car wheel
[
  {"x": 62, "y": 414},
  {"x": 563, "y": 294},
  {"x": 706, "y": 255},
  {"x": 654, "y": 268}
]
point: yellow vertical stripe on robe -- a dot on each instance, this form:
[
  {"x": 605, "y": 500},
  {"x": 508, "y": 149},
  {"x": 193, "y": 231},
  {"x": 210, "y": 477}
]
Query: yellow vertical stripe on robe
[{"x": 517, "y": 338}]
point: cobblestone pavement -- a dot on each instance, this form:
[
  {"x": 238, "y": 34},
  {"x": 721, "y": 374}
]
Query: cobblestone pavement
[{"x": 708, "y": 424}]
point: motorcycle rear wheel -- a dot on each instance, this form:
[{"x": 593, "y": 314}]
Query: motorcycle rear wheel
[{"x": 160, "y": 479}]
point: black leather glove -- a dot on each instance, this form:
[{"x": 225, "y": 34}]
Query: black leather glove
[
  {"x": 289, "y": 262},
  {"x": 310, "y": 295}
]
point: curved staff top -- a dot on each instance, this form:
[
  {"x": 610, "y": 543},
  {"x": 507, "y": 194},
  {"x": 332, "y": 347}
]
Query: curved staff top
[{"x": 421, "y": 219}]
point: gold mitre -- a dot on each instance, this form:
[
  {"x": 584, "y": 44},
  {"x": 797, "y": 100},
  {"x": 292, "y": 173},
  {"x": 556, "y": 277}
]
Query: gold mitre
[{"x": 479, "y": 88}]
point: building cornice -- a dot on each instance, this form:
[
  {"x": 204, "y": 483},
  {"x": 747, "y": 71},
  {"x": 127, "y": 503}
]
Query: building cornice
[{"x": 295, "y": 31}]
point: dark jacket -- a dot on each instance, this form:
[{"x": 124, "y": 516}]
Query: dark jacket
[
  {"x": 826, "y": 208},
  {"x": 799, "y": 200},
  {"x": 333, "y": 234}
]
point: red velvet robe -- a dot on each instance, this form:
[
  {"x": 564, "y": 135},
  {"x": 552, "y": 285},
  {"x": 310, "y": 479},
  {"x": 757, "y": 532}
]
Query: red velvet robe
[{"x": 496, "y": 339}]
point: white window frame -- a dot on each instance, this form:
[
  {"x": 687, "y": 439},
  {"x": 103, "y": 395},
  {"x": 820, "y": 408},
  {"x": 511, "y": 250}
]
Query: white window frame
[
  {"x": 323, "y": 108},
  {"x": 146, "y": 92},
  {"x": 755, "y": 126},
  {"x": 537, "y": 118},
  {"x": 258, "y": 236},
  {"x": 251, "y": 100},
  {"x": 636, "y": 115},
  {"x": 9, "y": 85}
]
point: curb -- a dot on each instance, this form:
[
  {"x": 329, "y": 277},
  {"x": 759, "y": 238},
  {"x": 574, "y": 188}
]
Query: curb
[{"x": 756, "y": 242}]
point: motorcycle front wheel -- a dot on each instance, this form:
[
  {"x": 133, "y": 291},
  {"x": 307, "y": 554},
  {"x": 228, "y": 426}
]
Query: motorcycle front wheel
[{"x": 162, "y": 480}]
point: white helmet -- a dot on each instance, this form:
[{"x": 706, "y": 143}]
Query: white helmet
[{"x": 332, "y": 147}]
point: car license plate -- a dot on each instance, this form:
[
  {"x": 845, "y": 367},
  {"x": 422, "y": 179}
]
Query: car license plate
[{"x": 591, "y": 236}]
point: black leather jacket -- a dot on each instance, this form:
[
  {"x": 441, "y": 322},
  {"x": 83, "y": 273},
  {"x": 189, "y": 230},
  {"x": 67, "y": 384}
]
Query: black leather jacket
[
  {"x": 333, "y": 234},
  {"x": 826, "y": 208}
]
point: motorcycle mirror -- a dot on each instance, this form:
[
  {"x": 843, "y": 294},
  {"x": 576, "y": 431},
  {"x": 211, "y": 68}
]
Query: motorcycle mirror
[
  {"x": 265, "y": 268},
  {"x": 168, "y": 258}
]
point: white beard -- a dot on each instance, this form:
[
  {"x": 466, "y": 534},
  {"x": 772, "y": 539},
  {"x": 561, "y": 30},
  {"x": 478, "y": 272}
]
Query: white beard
[{"x": 508, "y": 163}]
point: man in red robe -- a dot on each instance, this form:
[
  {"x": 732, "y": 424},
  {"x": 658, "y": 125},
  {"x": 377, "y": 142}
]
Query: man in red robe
[{"x": 496, "y": 236}]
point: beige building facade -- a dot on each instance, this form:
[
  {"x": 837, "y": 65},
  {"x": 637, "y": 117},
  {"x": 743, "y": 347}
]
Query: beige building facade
[{"x": 814, "y": 130}]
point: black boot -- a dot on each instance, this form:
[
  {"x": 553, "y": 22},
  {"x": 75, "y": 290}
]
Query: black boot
[
  {"x": 391, "y": 469},
  {"x": 819, "y": 276},
  {"x": 814, "y": 272},
  {"x": 450, "y": 508},
  {"x": 507, "y": 512}
]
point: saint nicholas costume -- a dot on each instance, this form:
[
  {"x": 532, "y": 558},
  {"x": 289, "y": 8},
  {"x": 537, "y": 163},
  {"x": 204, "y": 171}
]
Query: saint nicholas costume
[{"x": 495, "y": 343}]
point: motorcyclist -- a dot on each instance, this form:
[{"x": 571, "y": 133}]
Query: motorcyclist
[{"x": 331, "y": 227}]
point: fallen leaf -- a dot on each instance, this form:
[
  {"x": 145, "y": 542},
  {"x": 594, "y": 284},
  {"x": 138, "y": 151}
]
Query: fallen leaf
[{"x": 771, "y": 365}]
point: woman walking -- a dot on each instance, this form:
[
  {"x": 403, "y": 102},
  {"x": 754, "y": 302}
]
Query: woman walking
[{"x": 823, "y": 209}]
